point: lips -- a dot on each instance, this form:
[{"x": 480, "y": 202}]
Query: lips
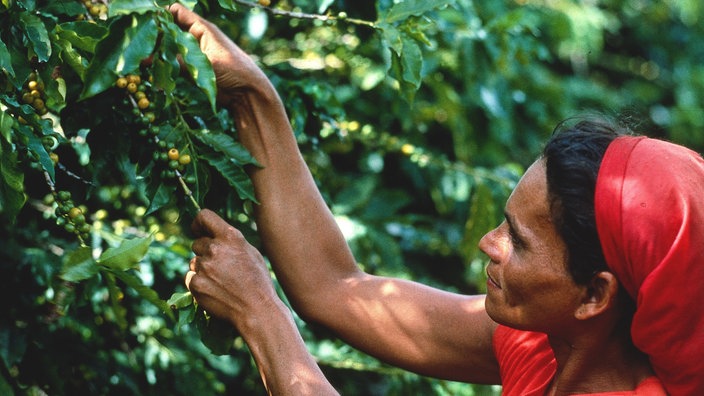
[{"x": 490, "y": 280}]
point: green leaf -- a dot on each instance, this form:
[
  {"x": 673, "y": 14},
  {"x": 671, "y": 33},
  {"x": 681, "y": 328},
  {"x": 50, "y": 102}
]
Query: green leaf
[
  {"x": 144, "y": 291},
  {"x": 6, "y": 59},
  {"x": 228, "y": 146},
  {"x": 216, "y": 334},
  {"x": 37, "y": 34},
  {"x": 180, "y": 300},
  {"x": 130, "y": 40},
  {"x": 12, "y": 197},
  {"x": 406, "y": 59},
  {"x": 72, "y": 57},
  {"x": 127, "y": 255},
  {"x": 125, "y": 7},
  {"x": 119, "y": 311},
  {"x": 227, "y": 5},
  {"x": 197, "y": 64},
  {"x": 64, "y": 7},
  {"x": 391, "y": 37},
  {"x": 163, "y": 195},
  {"x": 163, "y": 75},
  {"x": 483, "y": 214},
  {"x": 82, "y": 35},
  {"x": 37, "y": 148},
  {"x": 79, "y": 265},
  {"x": 408, "y": 90},
  {"x": 234, "y": 174},
  {"x": 408, "y": 8}
]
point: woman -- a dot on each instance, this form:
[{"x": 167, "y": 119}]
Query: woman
[{"x": 554, "y": 321}]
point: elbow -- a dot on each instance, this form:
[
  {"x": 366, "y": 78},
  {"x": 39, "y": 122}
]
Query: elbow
[{"x": 323, "y": 303}]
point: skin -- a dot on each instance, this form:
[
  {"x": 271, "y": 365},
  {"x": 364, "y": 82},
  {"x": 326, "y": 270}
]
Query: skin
[{"x": 404, "y": 323}]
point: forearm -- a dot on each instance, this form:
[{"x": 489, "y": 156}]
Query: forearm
[
  {"x": 283, "y": 361},
  {"x": 300, "y": 235}
]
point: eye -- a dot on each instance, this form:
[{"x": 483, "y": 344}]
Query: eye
[{"x": 516, "y": 241}]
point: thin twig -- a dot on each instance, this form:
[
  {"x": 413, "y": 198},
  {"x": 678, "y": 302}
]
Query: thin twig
[{"x": 304, "y": 15}]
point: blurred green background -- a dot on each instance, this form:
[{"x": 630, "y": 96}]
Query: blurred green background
[{"x": 414, "y": 176}]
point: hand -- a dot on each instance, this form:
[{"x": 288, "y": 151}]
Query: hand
[
  {"x": 235, "y": 71},
  {"x": 228, "y": 276}
]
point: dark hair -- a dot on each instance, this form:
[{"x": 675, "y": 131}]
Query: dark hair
[{"x": 572, "y": 159}]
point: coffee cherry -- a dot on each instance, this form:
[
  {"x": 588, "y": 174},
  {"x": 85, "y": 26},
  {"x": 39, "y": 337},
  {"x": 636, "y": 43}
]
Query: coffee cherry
[
  {"x": 173, "y": 154},
  {"x": 143, "y": 103},
  {"x": 265, "y": 3},
  {"x": 131, "y": 87},
  {"x": 63, "y": 195},
  {"x": 133, "y": 78},
  {"x": 121, "y": 83},
  {"x": 27, "y": 97},
  {"x": 74, "y": 212},
  {"x": 185, "y": 159}
]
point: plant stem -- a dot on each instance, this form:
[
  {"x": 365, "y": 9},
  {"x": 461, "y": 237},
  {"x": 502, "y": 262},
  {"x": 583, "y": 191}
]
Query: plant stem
[{"x": 303, "y": 15}]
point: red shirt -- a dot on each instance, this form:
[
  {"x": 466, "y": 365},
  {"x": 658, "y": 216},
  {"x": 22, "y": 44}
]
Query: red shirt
[{"x": 528, "y": 365}]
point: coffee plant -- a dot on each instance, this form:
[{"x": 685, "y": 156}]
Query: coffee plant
[{"x": 415, "y": 117}]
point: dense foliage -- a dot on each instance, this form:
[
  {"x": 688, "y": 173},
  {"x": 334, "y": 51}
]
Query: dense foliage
[{"x": 416, "y": 119}]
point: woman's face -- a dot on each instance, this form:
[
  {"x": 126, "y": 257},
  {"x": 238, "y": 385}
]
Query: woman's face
[{"x": 528, "y": 284}]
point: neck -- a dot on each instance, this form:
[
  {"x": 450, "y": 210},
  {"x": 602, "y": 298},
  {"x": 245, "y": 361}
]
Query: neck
[{"x": 597, "y": 364}]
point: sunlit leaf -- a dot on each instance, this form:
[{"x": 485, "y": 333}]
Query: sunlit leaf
[
  {"x": 407, "y": 8},
  {"x": 124, "y": 7},
  {"x": 79, "y": 265},
  {"x": 129, "y": 42},
  {"x": 127, "y": 255},
  {"x": 196, "y": 63},
  {"x": 37, "y": 35}
]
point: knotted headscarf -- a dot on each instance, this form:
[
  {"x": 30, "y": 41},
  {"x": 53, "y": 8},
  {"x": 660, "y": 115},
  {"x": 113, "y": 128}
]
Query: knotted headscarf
[{"x": 649, "y": 205}]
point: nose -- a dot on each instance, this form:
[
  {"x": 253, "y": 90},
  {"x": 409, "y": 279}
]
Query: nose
[{"x": 495, "y": 244}]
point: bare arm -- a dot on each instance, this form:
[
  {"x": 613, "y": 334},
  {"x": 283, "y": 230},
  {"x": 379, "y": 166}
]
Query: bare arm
[
  {"x": 407, "y": 324},
  {"x": 240, "y": 290}
]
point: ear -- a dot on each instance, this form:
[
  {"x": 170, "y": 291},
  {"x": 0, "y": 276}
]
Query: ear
[{"x": 600, "y": 296}]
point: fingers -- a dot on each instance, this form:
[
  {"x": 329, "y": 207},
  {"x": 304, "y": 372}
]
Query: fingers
[
  {"x": 189, "y": 276},
  {"x": 192, "y": 265},
  {"x": 208, "y": 223},
  {"x": 183, "y": 16},
  {"x": 188, "y": 20}
]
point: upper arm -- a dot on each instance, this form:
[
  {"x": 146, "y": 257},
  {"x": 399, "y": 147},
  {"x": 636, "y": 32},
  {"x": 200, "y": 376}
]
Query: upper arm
[{"x": 413, "y": 326}]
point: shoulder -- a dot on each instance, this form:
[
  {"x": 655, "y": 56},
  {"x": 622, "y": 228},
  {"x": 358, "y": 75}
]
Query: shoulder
[{"x": 526, "y": 361}]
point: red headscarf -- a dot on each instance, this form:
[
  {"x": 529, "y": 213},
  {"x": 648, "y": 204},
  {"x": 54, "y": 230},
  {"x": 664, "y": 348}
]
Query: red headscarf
[{"x": 649, "y": 206}]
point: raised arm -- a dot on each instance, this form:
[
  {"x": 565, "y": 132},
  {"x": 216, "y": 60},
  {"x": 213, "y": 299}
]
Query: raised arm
[{"x": 405, "y": 323}]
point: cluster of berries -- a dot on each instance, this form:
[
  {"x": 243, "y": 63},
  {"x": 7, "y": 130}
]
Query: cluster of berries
[
  {"x": 143, "y": 109},
  {"x": 96, "y": 9},
  {"x": 71, "y": 217},
  {"x": 33, "y": 94}
]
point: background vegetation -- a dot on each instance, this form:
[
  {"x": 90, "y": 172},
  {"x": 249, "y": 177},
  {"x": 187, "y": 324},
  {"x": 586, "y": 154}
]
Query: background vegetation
[{"x": 416, "y": 118}]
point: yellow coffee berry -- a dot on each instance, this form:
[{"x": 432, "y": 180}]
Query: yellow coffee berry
[
  {"x": 121, "y": 82},
  {"x": 185, "y": 159},
  {"x": 143, "y": 103},
  {"x": 173, "y": 154}
]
